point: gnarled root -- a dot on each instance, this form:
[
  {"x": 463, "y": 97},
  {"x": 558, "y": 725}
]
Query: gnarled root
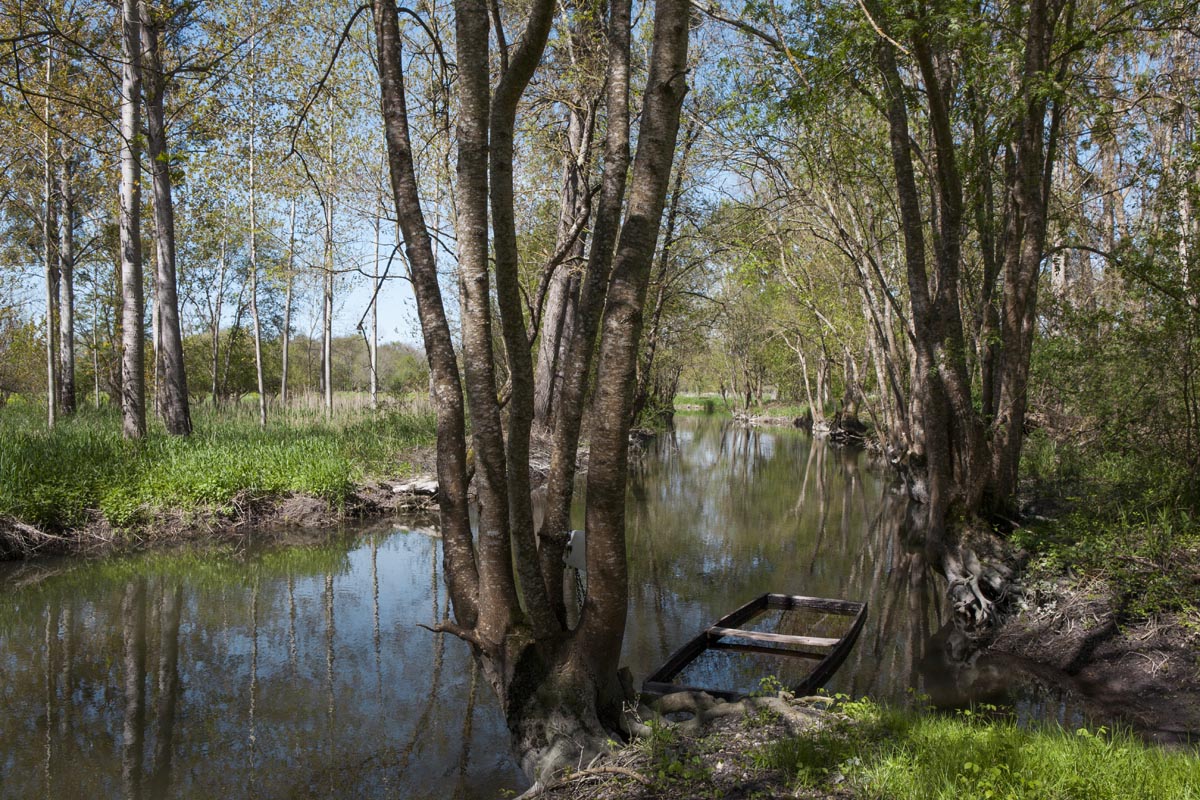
[{"x": 975, "y": 588}]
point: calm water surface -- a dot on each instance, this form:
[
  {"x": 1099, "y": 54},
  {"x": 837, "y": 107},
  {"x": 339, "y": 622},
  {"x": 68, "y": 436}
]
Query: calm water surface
[{"x": 300, "y": 671}]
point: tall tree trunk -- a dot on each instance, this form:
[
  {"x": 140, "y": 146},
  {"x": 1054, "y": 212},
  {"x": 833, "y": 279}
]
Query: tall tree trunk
[
  {"x": 558, "y": 317},
  {"x": 462, "y": 576},
  {"x": 327, "y": 285},
  {"x": 646, "y": 365},
  {"x": 602, "y": 624},
  {"x": 537, "y": 668},
  {"x": 215, "y": 328},
  {"x": 133, "y": 356},
  {"x": 175, "y": 411},
  {"x": 1030, "y": 181},
  {"x": 49, "y": 246},
  {"x": 66, "y": 287},
  {"x": 373, "y": 349},
  {"x": 287, "y": 308},
  {"x": 560, "y": 484},
  {"x": 258, "y": 357}
]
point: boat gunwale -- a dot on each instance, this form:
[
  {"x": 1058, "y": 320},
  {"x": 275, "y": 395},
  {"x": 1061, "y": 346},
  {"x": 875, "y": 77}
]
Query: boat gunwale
[{"x": 660, "y": 681}]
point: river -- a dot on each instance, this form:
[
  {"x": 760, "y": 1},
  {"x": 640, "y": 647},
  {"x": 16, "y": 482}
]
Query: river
[{"x": 300, "y": 670}]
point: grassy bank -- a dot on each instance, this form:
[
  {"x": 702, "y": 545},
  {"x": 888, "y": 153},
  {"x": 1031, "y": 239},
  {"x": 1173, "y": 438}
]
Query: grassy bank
[
  {"x": 877, "y": 752},
  {"x": 857, "y": 750},
  {"x": 713, "y": 404},
  {"x": 61, "y": 479}
]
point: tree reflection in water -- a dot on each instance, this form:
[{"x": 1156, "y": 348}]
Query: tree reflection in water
[
  {"x": 300, "y": 671},
  {"x": 278, "y": 672}
]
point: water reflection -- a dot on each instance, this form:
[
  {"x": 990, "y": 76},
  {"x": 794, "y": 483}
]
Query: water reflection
[
  {"x": 285, "y": 673},
  {"x": 300, "y": 671},
  {"x": 726, "y": 513},
  {"x": 721, "y": 513}
]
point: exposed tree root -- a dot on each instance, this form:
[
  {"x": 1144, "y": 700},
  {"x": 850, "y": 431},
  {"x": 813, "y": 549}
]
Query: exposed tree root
[{"x": 978, "y": 584}]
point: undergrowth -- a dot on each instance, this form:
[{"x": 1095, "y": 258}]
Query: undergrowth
[
  {"x": 57, "y": 479},
  {"x": 1127, "y": 520},
  {"x": 881, "y": 752}
]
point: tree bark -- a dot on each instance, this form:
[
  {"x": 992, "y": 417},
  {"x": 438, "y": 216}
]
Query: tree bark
[
  {"x": 459, "y": 564},
  {"x": 327, "y": 284},
  {"x": 602, "y": 624},
  {"x": 215, "y": 327},
  {"x": 49, "y": 246},
  {"x": 1030, "y": 181},
  {"x": 560, "y": 484},
  {"x": 176, "y": 413},
  {"x": 133, "y": 379},
  {"x": 287, "y": 308},
  {"x": 558, "y": 317},
  {"x": 258, "y": 357},
  {"x": 66, "y": 287}
]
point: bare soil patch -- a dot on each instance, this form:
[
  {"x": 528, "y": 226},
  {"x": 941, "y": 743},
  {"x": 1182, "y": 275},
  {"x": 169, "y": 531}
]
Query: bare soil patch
[{"x": 1147, "y": 671}]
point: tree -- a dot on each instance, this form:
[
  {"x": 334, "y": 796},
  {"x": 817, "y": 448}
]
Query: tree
[
  {"x": 539, "y": 668},
  {"x": 133, "y": 380},
  {"x": 169, "y": 350}
]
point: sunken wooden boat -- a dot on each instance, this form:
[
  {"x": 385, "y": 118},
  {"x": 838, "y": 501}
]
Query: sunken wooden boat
[{"x": 830, "y": 629}]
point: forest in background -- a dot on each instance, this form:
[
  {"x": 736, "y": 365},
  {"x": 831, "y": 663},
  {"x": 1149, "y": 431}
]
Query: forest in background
[{"x": 972, "y": 227}]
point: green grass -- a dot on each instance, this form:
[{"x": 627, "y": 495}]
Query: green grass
[
  {"x": 55, "y": 479},
  {"x": 899, "y": 754},
  {"x": 712, "y": 404}
]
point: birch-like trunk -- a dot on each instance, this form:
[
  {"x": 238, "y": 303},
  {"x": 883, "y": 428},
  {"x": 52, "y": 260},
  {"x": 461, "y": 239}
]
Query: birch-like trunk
[
  {"x": 287, "y": 308},
  {"x": 327, "y": 294},
  {"x": 373, "y": 350},
  {"x": 215, "y": 327},
  {"x": 66, "y": 288},
  {"x": 49, "y": 235},
  {"x": 133, "y": 357},
  {"x": 258, "y": 359}
]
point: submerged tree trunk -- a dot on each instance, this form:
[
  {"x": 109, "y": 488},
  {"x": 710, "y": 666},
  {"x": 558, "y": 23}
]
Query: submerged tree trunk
[
  {"x": 173, "y": 388},
  {"x": 133, "y": 381}
]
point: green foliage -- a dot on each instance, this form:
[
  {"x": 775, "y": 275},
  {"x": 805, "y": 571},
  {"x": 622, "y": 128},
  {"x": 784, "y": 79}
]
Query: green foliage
[
  {"x": 56, "y": 479},
  {"x": 891, "y": 753},
  {"x": 1149, "y": 555},
  {"x": 669, "y": 759}
]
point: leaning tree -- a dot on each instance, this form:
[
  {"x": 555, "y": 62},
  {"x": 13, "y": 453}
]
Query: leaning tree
[{"x": 558, "y": 684}]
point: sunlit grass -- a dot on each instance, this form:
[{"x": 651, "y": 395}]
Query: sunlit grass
[
  {"x": 57, "y": 479},
  {"x": 689, "y": 404},
  {"x": 891, "y": 753}
]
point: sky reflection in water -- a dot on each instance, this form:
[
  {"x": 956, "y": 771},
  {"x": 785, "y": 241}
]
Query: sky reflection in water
[{"x": 301, "y": 672}]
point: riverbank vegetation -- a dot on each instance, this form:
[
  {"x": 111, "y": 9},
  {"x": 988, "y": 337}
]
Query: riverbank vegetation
[
  {"x": 903, "y": 753},
  {"x": 860, "y": 750},
  {"x": 955, "y": 226},
  {"x": 83, "y": 472}
]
